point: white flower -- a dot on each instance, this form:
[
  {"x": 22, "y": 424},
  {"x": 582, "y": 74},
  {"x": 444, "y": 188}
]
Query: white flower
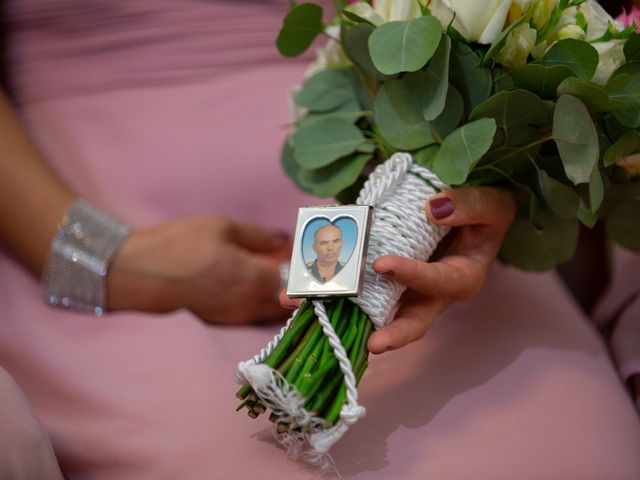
[
  {"x": 571, "y": 31},
  {"x": 611, "y": 52},
  {"x": 387, "y": 10},
  {"x": 477, "y": 21},
  {"x": 518, "y": 46}
]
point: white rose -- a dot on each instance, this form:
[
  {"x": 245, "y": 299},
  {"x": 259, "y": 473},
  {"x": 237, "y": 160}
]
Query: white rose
[
  {"x": 518, "y": 46},
  {"x": 477, "y": 21},
  {"x": 610, "y": 52},
  {"x": 331, "y": 55},
  {"x": 387, "y": 10}
]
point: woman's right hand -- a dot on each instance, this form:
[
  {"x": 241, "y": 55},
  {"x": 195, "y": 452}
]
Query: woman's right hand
[{"x": 224, "y": 272}]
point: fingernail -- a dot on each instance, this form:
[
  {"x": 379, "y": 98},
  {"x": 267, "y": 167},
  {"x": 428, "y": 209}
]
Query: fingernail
[
  {"x": 388, "y": 273},
  {"x": 441, "y": 207}
]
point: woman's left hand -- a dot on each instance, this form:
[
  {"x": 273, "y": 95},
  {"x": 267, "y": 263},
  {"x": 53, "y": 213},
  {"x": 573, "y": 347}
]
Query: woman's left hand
[{"x": 482, "y": 216}]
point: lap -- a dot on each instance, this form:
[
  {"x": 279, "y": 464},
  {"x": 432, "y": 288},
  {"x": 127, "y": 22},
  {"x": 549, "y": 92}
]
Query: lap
[{"x": 514, "y": 384}]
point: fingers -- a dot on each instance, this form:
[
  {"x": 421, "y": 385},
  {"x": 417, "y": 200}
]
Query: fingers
[
  {"x": 472, "y": 206},
  {"x": 459, "y": 278},
  {"x": 255, "y": 238},
  {"x": 288, "y": 303},
  {"x": 413, "y": 320}
]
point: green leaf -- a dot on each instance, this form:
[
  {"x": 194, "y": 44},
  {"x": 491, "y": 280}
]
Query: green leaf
[
  {"x": 596, "y": 190},
  {"x": 625, "y": 88},
  {"x": 462, "y": 149},
  {"x": 326, "y": 90},
  {"x": 513, "y": 107},
  {"x": 355, "y": 43},
  {"x": 356, "y": 18},
  {"x": 577, "y": 55},
  {"x": 398, "y": 112},
  {"x": 325, "y": 141},
  {"x": 592, "y": 95},
  {"x": 628, "y": 117},
  {"x": 450, "y": 117},
  {"x": 328, "y": 181},
  {"x": 628, "y": 68},
  {"x": 576, "y": 138},
  {"x": 541, "y": 80},
  {"x": 632, "y": 48},
  {"x": 587, "y": 217},
  {"x": 437, "y": 82},
  {"x": 626, "y": 145},
  {"x": 300, "y": 28},
  {"x": 426, "y": 156},
  {"x": 562, "y": 200},
  {"x": 623, "y": 225},
  {"x": 538, "y": 249},
  {"x": 473, "y": 81},
  {"x": 404, "y": 46},
  {"x": 289, "y": 165}
]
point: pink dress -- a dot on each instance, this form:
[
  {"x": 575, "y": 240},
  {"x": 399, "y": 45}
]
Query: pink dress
[{"x": 158, "y": 109}]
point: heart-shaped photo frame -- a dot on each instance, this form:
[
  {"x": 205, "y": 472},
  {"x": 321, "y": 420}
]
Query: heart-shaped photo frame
[{"x": 328, "y": 245}]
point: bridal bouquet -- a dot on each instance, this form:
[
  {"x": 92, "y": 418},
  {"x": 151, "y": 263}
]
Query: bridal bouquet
[{"x": 409, "y": 97}]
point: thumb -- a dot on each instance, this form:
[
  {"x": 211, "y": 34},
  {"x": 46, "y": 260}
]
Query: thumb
[{"x": 256, "y": 238}]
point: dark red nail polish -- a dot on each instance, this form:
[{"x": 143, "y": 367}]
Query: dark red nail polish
[{"x": 441, "y": 207}]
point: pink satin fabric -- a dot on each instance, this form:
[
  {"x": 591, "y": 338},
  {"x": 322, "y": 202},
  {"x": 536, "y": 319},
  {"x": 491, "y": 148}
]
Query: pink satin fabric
[{"x": 152, "y": 112}]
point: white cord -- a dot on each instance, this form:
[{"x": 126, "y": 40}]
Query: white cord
[{"x": 398, "y": 189}]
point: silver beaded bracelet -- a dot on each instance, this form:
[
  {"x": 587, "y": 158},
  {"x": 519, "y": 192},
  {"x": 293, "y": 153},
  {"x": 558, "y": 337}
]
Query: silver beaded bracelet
[{"x": 75, "y": 274}]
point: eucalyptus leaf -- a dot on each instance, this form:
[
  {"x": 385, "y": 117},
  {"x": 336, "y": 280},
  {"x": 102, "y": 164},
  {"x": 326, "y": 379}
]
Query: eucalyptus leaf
[
  {"x": 623, "y": 225},
  {"x": 577, "y": 55},
  {"x": 628, "y": 68},
  {"x": 290, "y": 166},
  {"x": 541, "y": 80},
  {"x": 562, "y": 200},
  {"x": 576, "y": 138},
  {"x": 625, "y": 88},
  {"x": 452, "y": 114},
  {"x": 539, "y": 249},
  {"x": 356, "y": 18},
  {"x": 596, "y": 190},
  {"x": 632, "y": 48},
  {"x": 437, "y": 82},
  {"x": 587, "y": 217},
  {"x": 472, "y": 80},
  {"x": 328, "y": 181},
  {"x": 398, "y": 112},
  {"x": 300, "y": 28},
  {"x": 626, "y": 145},
  {"x": 628, "y": 117},
  {"x": 325, "y": 141},
  {"x": 404, "y": 46},
  {"x": 593, "y": 96},
  {"x": 426, "y": 156},
  {"x": 326, "y": 90},
  {"x": 512, "y": 108},
  {"x": 462, "y": 149},
  {"x": 355, "y": 43}
]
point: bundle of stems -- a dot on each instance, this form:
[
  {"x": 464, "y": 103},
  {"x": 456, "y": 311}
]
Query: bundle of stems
[{"x": 306, "y": 360}]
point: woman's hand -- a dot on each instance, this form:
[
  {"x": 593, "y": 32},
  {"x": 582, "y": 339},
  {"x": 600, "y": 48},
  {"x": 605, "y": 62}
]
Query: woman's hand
[
  {"x": 482, "y": 216},
  {"x": 223, "y": 272}
]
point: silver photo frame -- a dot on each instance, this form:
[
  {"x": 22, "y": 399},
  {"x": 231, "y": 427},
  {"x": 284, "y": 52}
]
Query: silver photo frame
[{"x": 329, "y": 251}]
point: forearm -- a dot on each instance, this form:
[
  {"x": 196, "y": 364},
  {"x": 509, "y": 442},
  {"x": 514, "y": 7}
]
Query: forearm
[{"x": 32, "y": 197}]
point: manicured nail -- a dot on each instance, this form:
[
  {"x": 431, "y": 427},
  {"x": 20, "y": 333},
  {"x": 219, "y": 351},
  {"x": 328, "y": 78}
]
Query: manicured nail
[
  {"x": 441, "y": 207},
  {"x": 388, "y": 273}
]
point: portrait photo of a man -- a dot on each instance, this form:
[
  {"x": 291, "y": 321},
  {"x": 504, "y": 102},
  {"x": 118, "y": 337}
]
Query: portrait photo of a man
[{"x": 327, "y": 245}]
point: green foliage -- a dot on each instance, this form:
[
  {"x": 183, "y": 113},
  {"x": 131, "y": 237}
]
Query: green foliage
[
  {"x": 544, "y": 131},
  {"x": 300, "y": 28},
  {"x": 404, "y": 46},
  {"x": 575, "y": 135},
  {"x": 462, "y": 149}
]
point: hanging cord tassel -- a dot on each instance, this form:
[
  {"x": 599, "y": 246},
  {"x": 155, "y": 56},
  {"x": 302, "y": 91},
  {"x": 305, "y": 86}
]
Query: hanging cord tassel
[{"x": 397, "y": 189}]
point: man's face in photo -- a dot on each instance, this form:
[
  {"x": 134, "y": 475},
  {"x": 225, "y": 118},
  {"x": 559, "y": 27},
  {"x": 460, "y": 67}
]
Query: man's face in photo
[{"x": 327, "y": 244}]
